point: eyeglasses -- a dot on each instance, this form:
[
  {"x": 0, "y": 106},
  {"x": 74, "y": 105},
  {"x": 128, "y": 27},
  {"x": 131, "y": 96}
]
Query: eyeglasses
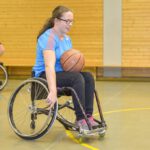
[{"x": 66, "y": 20}]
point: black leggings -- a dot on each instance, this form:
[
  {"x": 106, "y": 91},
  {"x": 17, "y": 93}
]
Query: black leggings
[{"x": 84, "y": 85}]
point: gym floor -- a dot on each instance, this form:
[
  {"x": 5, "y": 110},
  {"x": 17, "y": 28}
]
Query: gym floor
[{"x": 126, "y": 109}]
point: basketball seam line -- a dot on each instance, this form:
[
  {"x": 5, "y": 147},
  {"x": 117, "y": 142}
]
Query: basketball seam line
[
  {"x": 69, "y": 57},
  {"x": 75, "y": 63}
]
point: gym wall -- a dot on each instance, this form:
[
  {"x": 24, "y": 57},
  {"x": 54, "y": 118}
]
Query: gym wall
[{"x": 22, "y": 20}]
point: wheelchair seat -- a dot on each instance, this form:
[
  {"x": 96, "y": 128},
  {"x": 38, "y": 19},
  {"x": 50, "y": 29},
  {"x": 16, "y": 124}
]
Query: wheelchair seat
[{"x": 63, "y": 91}]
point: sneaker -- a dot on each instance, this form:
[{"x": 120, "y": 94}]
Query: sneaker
[
  {"x": 82, "y": 124},
  {"x": 93, "y": 122}
]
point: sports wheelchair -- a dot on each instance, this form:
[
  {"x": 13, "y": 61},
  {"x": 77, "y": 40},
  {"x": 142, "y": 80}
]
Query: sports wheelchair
[
  {"x": 30, "y": 117},
  {"x": 3, "y": 76}
]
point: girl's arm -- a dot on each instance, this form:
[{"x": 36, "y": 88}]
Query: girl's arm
[{"x": 49, "y": 58}]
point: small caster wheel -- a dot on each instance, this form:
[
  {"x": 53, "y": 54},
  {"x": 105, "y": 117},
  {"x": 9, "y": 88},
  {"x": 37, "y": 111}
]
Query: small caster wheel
[
  {"x": 80, "y": 139},
  {"x": 102, "y": 133}
]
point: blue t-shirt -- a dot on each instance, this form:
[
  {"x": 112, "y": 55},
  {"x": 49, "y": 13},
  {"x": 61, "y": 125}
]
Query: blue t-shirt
[{"x": 50, "y": 41}]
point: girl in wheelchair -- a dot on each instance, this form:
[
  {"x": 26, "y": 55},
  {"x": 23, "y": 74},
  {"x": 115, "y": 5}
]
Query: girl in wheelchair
[
  {"x": 50, "y": 82},
  {"x": 52, "y": 42}
]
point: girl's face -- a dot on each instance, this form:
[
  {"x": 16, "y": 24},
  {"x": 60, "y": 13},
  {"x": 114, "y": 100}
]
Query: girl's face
[{"x": 65, "y": 22}]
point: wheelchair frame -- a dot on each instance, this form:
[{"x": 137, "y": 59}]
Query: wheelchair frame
[{"x": 36, "y": 90}]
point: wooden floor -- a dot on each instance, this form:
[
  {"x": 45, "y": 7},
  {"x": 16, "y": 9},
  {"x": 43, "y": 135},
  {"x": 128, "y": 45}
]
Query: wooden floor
[{"x": 126, "y": 108}]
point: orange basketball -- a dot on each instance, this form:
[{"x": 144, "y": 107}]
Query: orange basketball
[{"x": 72, "y": 60}]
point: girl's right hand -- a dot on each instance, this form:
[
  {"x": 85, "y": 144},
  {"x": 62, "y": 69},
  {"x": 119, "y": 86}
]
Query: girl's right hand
[{"x": 51, "y": 99}]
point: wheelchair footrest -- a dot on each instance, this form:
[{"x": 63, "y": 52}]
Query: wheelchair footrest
[{"x": 99, "y": 131}]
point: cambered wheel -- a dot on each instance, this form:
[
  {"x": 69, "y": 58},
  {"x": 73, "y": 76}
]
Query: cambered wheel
[{"x": 29, "y": 115}]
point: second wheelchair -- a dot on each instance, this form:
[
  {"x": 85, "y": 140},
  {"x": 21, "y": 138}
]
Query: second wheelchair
[{"x": 3, "y": 76}]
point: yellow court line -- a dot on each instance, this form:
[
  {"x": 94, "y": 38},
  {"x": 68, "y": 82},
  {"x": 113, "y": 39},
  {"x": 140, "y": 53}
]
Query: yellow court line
[
  {"x": 108, "y": 112},
  {"x": 125, "y": 110},
  {"x": 77, "y": 141}
]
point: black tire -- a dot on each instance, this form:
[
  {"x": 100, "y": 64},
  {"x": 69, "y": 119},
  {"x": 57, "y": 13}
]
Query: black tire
[
  {"x": 28, "y": 113},
  {"x": 3, "y": 77}
]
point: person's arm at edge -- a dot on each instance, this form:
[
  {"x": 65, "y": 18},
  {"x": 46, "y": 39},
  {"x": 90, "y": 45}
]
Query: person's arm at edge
[{"x": 2, "y": 49}]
